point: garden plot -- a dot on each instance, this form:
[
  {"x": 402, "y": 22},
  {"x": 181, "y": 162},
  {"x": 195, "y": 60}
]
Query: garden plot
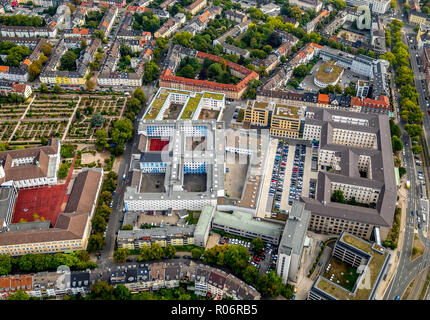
[
  {"x": 11, "y": 111},
  {"x": 34, "y": 131},
  {"x": 6, "y": 130}
]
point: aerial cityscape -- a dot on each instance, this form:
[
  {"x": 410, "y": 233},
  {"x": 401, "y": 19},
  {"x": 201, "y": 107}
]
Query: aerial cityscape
[{"x": 214, "y": 150}]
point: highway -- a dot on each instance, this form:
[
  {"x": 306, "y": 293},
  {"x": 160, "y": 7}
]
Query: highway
[{"x": 407, "y": 269}]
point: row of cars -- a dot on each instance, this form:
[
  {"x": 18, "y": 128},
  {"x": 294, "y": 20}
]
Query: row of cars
[
  {"x": 278, "y": 173},
  {"x": 225, "y": 240},
  {"x": 297, "y": 175}
]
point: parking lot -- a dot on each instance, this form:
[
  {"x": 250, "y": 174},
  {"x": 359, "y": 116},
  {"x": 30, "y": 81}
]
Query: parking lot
[
  {"x": 347, "y": 77},
  {"x": 155, "y": 218},
  {"x": 264, "y": 261}
]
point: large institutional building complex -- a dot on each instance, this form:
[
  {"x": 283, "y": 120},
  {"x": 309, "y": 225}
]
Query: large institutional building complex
[
  {"x": 71, "y": 229},
  {"x": 31, "y": 167},
  {"x": 181, "y": 165},
  {"x": 369, "y": 260},
  {"x": 355, "y": 156}
]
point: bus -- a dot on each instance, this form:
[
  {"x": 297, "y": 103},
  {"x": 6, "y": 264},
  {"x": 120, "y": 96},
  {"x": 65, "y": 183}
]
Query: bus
[
  {"x": 424, "y": 217},
  {"x": 408, "y": 184}
]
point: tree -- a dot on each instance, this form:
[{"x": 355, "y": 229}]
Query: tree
[
  {"x": 63, "y": 170},
  {"x": 120, "y": 255},
  {"x": 250, "y": 274},
  {"x": 144, "y": 254},
  {"x": 140, "y": 95},
  {"x": 402, "y": 171},
  {"x": 300, "y": 71},
  {"x": 33, "y": 71},
  {"x": 151, "y": 72},
  {"x": 5, "y": 264},
  {"x": 68, "y": 61},
  {"x": 98, "y": 223},
  {"x": 156, "y": 251},
  {"x": 121, "y": 292},
  {"x": 19, "y": 295},
  {"x": 122, "y": 131},
  {"x": 43, "y": 88},
  {"x": 270, "y": 284},
  {"x": 47, "y": 48},
  {"x": 101, "y": 290},
  {"x": 57, "y": 88},
  {"x": 397, "y": 144},
  {"x": 196, "y": 253},
  {"x": 186, "y": 72},
  {"x": 257, "y": 244},
  {"x": 25, "y": 262},
  {"x": 101, "y": 139},
  {"x": 43, "y": 141},
  {"x": 169, "y": 251},
  {"x": 127, "y": 227},
  {"x": 395, "y": 129},
  {"x": 97, "y": 120},
  {"x": 414, "y": 130},
  {"x": 96, "y": 242},
  {"x": 417, "y": 149},
  {"x": 90, "y": 84},
  {"x": 337, "y": 196}
]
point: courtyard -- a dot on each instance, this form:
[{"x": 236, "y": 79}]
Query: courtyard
[
  {"x": 342, "y": 274},
  {"x": 152, "y": 183},
  {"x": 195, "y": 182}
]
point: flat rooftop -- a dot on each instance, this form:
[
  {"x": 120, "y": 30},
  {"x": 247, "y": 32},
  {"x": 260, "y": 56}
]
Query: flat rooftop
[
  {"x": 190, "y": 105},
  {"x": 286, "y": 111},
  {"x": 243, "y": 220},
  {"x": 374, "y": 267},
  {"x": 328, "y": 72}
]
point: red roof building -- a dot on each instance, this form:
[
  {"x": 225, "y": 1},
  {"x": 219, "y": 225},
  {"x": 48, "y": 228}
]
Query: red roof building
[{"x": 323, "y": 98}]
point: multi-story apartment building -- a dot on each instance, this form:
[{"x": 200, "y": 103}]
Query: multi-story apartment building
[
  {"x": 235, "y": 16},
  {"x": 196, "y": 6},
  {"x": 216, "y": 283},
  {"x": 171, "y": 235},
  {"x": 257, "y": 113},
  {"x": 310, "y": 26},
  {"x": 285, "y": 121},
  {"x": 376, "y": 6},
  {"x": 307, "y": 4},
  {"x": 168, "y": 28},
  {"x": 371, "y": 262},
  {"x": 417, "y": 17},
  {"x": 355, "y": 156}
]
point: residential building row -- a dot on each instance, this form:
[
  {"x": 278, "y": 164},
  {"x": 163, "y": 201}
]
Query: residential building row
[
  {"x": 203, "y": 280},
  {"x": 232, "y": 91}
]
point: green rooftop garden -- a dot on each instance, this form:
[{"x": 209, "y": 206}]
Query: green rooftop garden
[
  {"x": 191, "y": 106},
  {"x": 214, "y": 96},
  {"x": 374, "y": 267}
]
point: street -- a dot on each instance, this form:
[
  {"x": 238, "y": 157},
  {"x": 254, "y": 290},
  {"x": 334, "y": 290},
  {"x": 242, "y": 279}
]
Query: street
[{"x": 408, "y": 269}]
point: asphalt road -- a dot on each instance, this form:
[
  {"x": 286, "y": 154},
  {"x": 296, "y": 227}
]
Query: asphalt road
[
  {"x": 408, "y": 270},
  {"x": 114, "y": 224}
]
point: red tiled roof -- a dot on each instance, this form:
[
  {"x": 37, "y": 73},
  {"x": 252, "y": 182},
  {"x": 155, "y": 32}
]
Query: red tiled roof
[
  {"x": 168, "y": 76},
  {"x": 17, "y": 87},
  {"x": 356, "y": 101},
  {"x": 382, "y": 101},
  {"x": 4, "y": 69},
  {"x": 323, "y": 98}
]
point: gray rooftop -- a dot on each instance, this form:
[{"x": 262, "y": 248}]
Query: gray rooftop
[
  {"x": 294, "y": 233},
  {"x": 382, "y": 167},
  {"x": 244, "y": 221}
]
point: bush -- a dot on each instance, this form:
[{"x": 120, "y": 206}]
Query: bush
[{"x": 63, "y": 170}]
